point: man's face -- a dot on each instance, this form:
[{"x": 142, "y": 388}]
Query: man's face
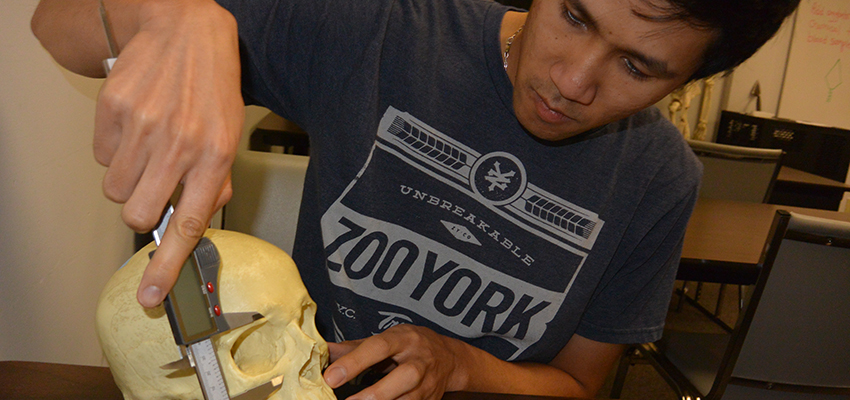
[{"x": 585, "y": 63}]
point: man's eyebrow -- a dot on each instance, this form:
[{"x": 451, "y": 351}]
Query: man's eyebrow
[{"x": 657, "y": 68}]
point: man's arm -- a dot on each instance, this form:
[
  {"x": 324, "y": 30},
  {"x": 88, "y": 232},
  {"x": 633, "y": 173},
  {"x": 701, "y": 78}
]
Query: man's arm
[
  {"x": 77, "y": 49},
  {"x": 171, "y": 112},
  {"x": 426, "y": 364},
  {"x": 579, "y": 370},
  {"x": 72, "y": 32}
]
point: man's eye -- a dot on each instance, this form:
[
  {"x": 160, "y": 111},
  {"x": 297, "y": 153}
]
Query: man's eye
[
  {"x": 571, "y": 18},
  {"x": 634, "y": 71}
]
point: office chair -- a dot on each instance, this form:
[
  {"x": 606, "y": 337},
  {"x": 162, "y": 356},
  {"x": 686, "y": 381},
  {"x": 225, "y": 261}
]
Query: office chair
[
  {"x": 736, "y": 172},
  {"x": 790, "y": 340},
  {"x": 732, "y": 173},
  {"x": 267, "y": 190}
]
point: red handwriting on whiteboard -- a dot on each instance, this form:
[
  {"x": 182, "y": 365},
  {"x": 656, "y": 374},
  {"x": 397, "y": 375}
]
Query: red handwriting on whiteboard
[{"x": 828, "y": 26}]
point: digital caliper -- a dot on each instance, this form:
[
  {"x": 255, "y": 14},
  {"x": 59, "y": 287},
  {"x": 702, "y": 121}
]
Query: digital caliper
[{"x": 195, "y": 315}]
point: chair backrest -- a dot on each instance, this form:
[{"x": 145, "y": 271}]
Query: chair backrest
[
  {"x": 736, "y": 172},
  {"x": 267, "y": 190},
  {"x": 791, "y": 340}
]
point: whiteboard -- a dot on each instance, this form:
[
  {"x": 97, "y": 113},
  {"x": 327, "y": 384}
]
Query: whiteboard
[{"x": 816, "y": 87}]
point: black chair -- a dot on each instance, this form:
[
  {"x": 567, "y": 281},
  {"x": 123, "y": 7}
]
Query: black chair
[
  {"x": 267, "y": 190},
  {"x": 736, "y": 172},
  {"x": 731, "y": 173},
  {"x": 790, "y": 341}
]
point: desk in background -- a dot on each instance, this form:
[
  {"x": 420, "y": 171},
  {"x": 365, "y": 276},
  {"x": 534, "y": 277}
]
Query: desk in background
[
  {"x": 799, "y": 188},
  {"x": 818, "y": 156},
  {"x": 724, "y": 234},
  {"x": 724, "y": 241}
]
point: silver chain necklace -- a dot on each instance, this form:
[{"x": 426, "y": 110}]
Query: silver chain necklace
[{"x": 508, "y": 46}]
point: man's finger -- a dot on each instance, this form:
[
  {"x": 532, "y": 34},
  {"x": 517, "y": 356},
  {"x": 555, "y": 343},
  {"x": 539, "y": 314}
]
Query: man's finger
[
  {"x": 161, "y": 273},
  {"x": 225, "y": 195},
  {"x": 142, "y": 211},
  {"x": 181, "y": 237},
  {"x": 401, "y": 380},
  {"x": 107, "y": 132},
  {"x": 369, "y": 352},
  {"x": 188, "y": 223},
  {"x": 126, "y": 168}
]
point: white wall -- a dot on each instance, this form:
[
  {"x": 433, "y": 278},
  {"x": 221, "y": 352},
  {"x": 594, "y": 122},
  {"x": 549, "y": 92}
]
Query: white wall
[{"x": 60, "y": 239}]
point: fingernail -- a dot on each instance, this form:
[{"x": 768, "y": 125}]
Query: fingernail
[
  {"x": 150, "y": 296},
  {"x": 335, "y": 376}
]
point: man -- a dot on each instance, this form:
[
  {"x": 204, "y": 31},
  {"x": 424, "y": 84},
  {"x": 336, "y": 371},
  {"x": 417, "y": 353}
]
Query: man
[{"x": 490, "y": 205}]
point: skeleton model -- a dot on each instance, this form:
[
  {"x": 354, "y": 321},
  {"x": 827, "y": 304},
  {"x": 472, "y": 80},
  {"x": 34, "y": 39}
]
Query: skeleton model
[{"x": 680, "y": 103}]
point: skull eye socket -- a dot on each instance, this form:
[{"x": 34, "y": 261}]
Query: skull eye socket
[{"x": 258, "y": 349}]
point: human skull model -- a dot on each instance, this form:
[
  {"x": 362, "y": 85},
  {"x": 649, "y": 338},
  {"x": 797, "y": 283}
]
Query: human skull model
[{"x": 254, "y": 276}]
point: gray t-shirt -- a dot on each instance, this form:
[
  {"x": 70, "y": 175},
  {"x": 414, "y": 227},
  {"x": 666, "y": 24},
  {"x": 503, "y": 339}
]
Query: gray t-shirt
[{"x": 426, "y": 202}]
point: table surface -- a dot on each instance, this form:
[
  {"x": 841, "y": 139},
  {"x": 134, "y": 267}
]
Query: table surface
[
  {"x": 792, "y": 175},
  {"x": 22, "y": 380},
  {"x": 734, "y": 231}
]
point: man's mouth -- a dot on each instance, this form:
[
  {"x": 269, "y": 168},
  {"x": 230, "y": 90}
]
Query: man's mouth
[{"x": 549, "y": 114}]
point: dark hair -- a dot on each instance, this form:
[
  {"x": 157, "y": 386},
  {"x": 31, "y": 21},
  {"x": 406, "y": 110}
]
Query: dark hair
[{"x": 741, "y": 27}]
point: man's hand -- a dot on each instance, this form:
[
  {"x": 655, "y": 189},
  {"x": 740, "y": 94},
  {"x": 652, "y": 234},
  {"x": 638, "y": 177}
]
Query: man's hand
[
  {"x": 170, "y": 112},
  {"x": 421, "y": 363}
]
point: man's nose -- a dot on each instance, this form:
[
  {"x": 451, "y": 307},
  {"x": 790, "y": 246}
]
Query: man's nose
[{"x": 578, "y": 79}]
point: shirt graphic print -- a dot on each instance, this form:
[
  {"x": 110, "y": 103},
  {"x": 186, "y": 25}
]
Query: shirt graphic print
[{"x": 458, "y": 241}]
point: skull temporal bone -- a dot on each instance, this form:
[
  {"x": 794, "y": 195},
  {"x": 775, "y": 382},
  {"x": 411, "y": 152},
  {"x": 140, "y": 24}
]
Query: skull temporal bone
[{"x": 254, "y": 276}]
